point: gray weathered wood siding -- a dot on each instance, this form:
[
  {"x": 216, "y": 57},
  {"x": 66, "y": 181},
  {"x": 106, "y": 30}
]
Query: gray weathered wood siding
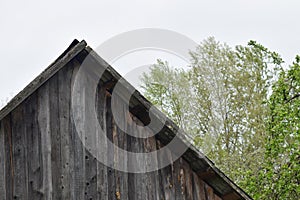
[{"x": 42, "y": 157}]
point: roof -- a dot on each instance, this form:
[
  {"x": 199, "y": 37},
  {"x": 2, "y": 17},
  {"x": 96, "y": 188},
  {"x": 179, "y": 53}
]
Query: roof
[{"x": 139, "y": 106}]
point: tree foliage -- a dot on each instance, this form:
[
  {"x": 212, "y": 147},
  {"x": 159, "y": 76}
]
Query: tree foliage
[
  {"x": 238, "y": 81},
  {"x": 279, "y": 176},
  {"x": 222, "y": 101}
]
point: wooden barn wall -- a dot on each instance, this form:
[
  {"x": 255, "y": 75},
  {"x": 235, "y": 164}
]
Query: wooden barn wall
[{"x": 42, "y": 157}]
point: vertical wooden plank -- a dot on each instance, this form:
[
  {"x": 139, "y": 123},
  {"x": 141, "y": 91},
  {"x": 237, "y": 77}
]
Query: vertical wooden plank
[
  {"x": 45, "y": 131},
  {"x": 188, "y": 181},
  {"x": 121, "y": 177},
  {"x": 116, "y": 174},
  {"x": 76, "y": 189},
  {"x": 198, "y": 188},
  {"x": 156, "y": 183},
  {"x": 102, "y": 186},
  {"x": 79, "y": 154},
  {"x": 152, "y": 182},
  {"x": 74, "y": 137},
  {"x": 111, "y": 182},
  {"x": 166, "y": 177},
  {"x": 209, "y": 192},
  {"x": 66, "y": 137},
  {"x": 79, "y": 166},
  {"x": 90, "y": 176},
  {"x": 51, "y": 134},
  {"x": 90, "y": 162},
  {"x": 90, "y": 147},
  {"x": 137, "y": 182},
  {"x": 139, "y": 189},
  {"x": 2, "y": 163},
  {"x": 20, "y": 188},
  {"x": 119, "y": 192},
  {"x": 178, "y": 179},
  {"x": 120, "y": 140},
  {"x": 9, "y": 171},
  {"x": 33, "y": 148}
]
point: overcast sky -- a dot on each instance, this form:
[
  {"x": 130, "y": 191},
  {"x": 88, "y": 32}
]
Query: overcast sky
[{"x": 34, "y": 33}]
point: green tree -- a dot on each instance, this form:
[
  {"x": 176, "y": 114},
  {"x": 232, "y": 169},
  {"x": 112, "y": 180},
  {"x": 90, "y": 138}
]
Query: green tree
[
  {"x": 279, "y": 177},
  {"x": 220, "y": 102},
  {"x": 168, "y": 88}
]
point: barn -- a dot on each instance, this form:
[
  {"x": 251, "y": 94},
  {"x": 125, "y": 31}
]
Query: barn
[{"x": 45, "y": 154}]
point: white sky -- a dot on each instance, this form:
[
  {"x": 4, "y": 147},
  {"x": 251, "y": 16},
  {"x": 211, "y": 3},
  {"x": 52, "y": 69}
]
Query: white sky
[{"x": 34, "y": 33}]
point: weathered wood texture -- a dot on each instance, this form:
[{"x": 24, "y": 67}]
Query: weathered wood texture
[{"x": 43, "y": 157}]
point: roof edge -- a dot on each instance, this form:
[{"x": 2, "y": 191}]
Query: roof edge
[
  {"x": 72, "y": 51},
  {"x": 196, "y": 153}
]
